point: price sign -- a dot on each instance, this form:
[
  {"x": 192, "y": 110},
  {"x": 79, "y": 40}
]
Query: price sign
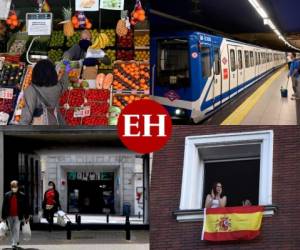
[
  {"x": 39, "y": 24},
  {"x": 112, "y": 4},
  {"x": 4, "y": 118},
  {"x": 82, "y": 112},
  {"x": 6, "y": 93}
]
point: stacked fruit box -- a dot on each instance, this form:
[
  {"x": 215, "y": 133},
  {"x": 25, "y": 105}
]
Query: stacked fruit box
[
  {"x": 125, "y": 47},
  {"x": 11, "y": 77},
  {"x": 131, "y": 82},
  {"x": 85, "y": 107},
  {"x": 20, "y": 104},
  {"x": 142, "y": 45}
]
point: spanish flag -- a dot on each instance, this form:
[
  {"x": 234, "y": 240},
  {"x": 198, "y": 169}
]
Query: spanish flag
[{"x": 232, "y": 223}]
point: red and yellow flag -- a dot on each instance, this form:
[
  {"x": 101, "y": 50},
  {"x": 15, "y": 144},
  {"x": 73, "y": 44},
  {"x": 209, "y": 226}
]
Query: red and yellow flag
[{"x": 232, "y": 223}]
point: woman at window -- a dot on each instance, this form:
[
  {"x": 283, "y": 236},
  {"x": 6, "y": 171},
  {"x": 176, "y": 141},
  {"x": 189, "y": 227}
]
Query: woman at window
[{"x": 216, "y": 198}]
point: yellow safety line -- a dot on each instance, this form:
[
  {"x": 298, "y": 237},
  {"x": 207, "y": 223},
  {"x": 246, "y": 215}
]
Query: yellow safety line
[{"x": 243, "y": 110}]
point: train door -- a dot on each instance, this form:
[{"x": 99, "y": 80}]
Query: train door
[
  {"x": 240, "y": 66},
  {"x": 233, "y": 75},
  {"x": 217, "y": 76}
]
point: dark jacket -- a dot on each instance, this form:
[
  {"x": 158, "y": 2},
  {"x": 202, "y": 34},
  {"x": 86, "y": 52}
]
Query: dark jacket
[
  {"x": 56, "y": 198},
  {"x": 23, "y": 212}
]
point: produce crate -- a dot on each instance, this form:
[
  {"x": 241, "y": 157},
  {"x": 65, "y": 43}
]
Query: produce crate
[
  {"x": 122, "y": 100},
  {"x": 20, "y": 104},
  {"x": 85, "y": 107},
  {"x": 126, "y": 42},
  {"x": 133, "y": 75}
]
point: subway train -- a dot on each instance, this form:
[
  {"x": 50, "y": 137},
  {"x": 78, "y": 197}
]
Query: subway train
[{"x": 193, "y": 74}]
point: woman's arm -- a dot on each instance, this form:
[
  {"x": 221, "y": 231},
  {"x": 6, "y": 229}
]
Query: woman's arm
[
  {"x": 208, "y": 201},
  {"x": 30, "y": 105},
  {"x": 223, "y": 201}
]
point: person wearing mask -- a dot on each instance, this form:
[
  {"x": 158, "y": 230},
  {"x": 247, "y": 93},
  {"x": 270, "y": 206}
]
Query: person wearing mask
[
  {"x": 15, "y": 210},
  {"x": 51, "y": 203},
  {"x": 78, "y": 51},
  {"x": 41, "y": 98},
  {"x": 216, "y": 198},
  {"x": 295, "y": 76}
]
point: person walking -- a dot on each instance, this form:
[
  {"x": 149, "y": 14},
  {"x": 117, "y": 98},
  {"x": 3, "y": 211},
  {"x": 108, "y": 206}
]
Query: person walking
[
  {"x": 15, "y": 210},
  {"x": 51, "y": 203},
  {"x": 295, "y": 76}
]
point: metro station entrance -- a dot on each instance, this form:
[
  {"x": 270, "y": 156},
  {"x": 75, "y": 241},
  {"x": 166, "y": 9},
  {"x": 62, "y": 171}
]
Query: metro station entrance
[{"x": 91, "y": 196}]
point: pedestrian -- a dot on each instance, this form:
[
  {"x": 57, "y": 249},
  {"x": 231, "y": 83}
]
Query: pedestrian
[
  {"x": 42, "y": 96},
  {"x": 295, "y": 76},
  {"x": 289, "y": 59},
  {"x": 216, "y": 198},
  {"x": 14, "y": 211},
  {"x": 51, "y": 203}
]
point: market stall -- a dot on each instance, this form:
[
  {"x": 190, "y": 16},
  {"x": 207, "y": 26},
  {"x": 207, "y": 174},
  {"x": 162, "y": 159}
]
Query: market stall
[{"x": 96, "y": 92}]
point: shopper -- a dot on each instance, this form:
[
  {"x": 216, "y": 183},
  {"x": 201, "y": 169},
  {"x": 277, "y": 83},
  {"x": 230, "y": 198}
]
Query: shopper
[
  {"x": 295, "y": 76},
  {"x": 51, "y": 203},
  {"x": 78, "y": 51},
  {"x": 15, "y": 210},
  {"x": 289, "y": 59},
  {"x": 42, "y": 96},
  {"x": 216, "y": 198}
]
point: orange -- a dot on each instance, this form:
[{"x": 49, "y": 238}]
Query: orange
[{"x": 13, "y": 17}]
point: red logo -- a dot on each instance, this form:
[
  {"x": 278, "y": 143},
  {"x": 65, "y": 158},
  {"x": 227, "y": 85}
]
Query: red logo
[
  {"x": 224, "y": 61},
  {"x": 144, "y": 126},
  {"x": 172, "y": 95}
]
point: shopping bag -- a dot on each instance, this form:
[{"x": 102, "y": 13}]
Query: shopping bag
[
  {"x": 61, "y": 218},
  {"x": 26, "y": 231},
  {"x": 3, "y": 230}
]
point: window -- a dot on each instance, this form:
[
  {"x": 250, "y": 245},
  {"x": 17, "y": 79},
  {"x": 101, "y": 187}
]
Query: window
[
  {"x": 205, "y": 160},
  {"x": 205, "y": 62},
  {"x": 263, "y": 58},
  {"x": 217, "y": 61},
  {"x": 240, "y": 58},
  {"x": 247, "y": 59},
  {"x": 232, "y": 60},
  {"x": 173, "y": 63},
  {"x": 256, "y": 58},
  {"x": 252, "y": 58},
  {"x": 259, "y": 60}
]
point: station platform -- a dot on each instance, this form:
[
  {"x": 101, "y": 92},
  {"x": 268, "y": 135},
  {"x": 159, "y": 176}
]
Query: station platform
[{"x": 265, "y": 106}]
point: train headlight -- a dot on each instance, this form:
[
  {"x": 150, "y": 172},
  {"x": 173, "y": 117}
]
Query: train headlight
[{"x": 179, "y": 112}]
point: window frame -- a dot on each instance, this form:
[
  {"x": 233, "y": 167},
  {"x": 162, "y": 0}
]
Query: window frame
[
  {"x": 232, "y": 64},
  {"x": 193, "y": 170},
  {"x": 201, "y": 61}
]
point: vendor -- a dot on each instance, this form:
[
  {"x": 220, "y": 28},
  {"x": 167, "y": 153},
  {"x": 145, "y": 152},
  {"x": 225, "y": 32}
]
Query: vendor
[{"x": 78, "y": 51}]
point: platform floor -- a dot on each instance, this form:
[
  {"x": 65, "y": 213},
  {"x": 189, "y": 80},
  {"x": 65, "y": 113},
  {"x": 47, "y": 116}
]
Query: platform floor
[{"x": 265, "y": 106}]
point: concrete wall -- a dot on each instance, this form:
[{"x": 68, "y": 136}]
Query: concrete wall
[
  {"x": 278, "y": 232},
  {"x": 56, "y": 163}
]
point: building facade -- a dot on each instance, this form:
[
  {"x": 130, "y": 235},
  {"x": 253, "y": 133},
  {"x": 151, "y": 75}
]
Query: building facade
[{"x": 257, "y": 162}]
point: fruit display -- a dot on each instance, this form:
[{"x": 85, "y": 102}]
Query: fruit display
[
  {"x": 85, "y": 107},
  {"x": 18, "y": 47},
  {"x": 13, "y": 21},
  {"x": 55, "y": 55},
  {"x": 57, "y": 39},
  {"x": 21, "y": 101},
  {"x": 79, "y": 20},
  {"x": 111, "y": 33},
  {"x": 142, "y": 55},
  {"x": 73, "y": 39},
  {"x": 121, "y": 28},
  {"x": 141, "y": 40},
  {"x": 131, "y": 76},
  {"x": 125, "y": 55},
  {"x": 138, "y": 14},
  {"x": 112, "y": 56},
  {"x": 11, "y": 74},
  {"x": 104, "y": 81},
  {"x": 126, "y": 41},
  {"x": 122, "y": 100},
  {"x": 100, "y": 42},
  {"x": 68, "y": 26}
]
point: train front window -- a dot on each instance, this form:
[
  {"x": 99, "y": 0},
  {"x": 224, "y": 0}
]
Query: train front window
[{"x": 173, "y": 63}]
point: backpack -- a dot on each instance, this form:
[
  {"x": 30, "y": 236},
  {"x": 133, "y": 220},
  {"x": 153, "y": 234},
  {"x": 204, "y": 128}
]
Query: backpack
[{"x": 46, "y": 115}]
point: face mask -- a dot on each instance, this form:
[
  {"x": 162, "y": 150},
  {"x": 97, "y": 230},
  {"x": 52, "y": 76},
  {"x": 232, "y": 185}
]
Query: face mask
[
  {"x": 14, "y": 190},
  {"x": 84, "y": 44}
]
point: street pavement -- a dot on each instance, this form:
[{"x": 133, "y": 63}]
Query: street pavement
[{"x": 83, "y": 240}]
